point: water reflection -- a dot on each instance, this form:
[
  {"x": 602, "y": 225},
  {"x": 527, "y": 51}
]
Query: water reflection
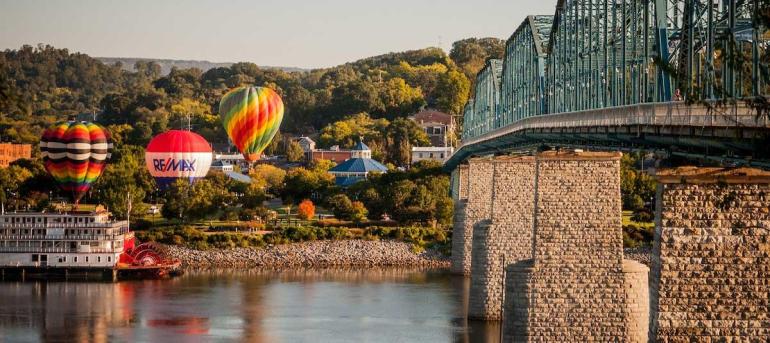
[{"x": 373, "y": 305}]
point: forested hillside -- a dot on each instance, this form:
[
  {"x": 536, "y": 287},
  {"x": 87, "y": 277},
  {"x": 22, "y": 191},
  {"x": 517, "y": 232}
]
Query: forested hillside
[{"x": 41, "y": 85}]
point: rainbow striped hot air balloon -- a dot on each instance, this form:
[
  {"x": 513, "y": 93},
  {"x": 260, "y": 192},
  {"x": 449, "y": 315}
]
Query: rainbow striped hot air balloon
[
  {"x": 251, "y": 116},
  {"x": 75, "y": 154}
]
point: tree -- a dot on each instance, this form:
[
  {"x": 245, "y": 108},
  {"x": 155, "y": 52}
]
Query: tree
[
  {"x": 306, "y": 210},
  {"x": 11, "y": 180},
  {"x": 253, "y": 196},
  {"x": 268, "y": 177},
  {"x": 471, "y": 54},
  {"x": 126, "y": 175},
  {"x": 341, "y": 206},
  {"x": 401, "y": 135},
  {"x": 294, "y": 152},
  {"x": 177, "y": 200},
  {"x": 453, "y": 89},
  {"x": 302, "y": 183},
  {"x": 358, "y": 212}
]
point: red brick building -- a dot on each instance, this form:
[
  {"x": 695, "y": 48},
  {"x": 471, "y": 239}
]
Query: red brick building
[
  {"x": 334, "y": 154},
  {"x": 10, "y": 152}
]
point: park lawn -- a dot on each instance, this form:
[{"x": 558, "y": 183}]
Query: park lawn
[{"x": 627, "y": 221}]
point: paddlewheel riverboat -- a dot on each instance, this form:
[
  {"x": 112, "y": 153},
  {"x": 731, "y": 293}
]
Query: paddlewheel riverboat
[{"x": 77, "y": 244}]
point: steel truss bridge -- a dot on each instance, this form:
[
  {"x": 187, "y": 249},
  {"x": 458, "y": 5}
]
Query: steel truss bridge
[{"x": 688, "y": 77}]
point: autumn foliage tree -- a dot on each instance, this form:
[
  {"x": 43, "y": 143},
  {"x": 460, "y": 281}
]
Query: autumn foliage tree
[{"x": 306, "y": 210}]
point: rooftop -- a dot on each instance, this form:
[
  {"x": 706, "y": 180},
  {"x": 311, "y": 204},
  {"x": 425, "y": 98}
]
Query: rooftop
[
  {"x": 432, "y": 116},
  {"x": 359, "y": 165},
  {"x": 361, "y": 146}
]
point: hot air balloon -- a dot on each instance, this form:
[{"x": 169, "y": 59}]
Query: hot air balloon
[
  {"x": 75, "y": 154},
  {"x": 177, "y": 154},
  {"x": 251, "y": 116}
]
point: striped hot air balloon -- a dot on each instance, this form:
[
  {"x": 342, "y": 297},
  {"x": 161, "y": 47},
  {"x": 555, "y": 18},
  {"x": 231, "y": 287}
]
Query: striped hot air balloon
[
  {"x": 251, "y": 117},
  {"x": 177, "y": 154},
  {"x": 75, "y": 154}
]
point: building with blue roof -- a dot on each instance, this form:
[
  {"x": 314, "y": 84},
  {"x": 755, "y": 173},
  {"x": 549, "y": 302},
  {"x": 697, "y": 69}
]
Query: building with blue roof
[{"x": 358, "y": 167}]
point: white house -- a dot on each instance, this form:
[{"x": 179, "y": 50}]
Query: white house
[{"x": 441, "y": 154}]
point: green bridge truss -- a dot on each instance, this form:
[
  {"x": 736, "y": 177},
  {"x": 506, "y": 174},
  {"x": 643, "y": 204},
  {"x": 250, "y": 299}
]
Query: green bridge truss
[{"x": 600, "y": 54}]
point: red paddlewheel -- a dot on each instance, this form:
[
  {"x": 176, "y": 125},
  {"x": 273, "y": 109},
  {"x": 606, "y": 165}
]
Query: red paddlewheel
[{"x": 146, "y": 254}]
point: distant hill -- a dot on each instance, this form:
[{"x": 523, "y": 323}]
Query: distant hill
[{"x": 166, "y": 65}]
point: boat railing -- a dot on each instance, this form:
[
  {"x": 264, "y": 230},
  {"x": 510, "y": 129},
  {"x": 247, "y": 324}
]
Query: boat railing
[
  {"x": 60, "y": 225},
  {"x": 57, "y": 250},
  {"x": 64, "y": 237}
]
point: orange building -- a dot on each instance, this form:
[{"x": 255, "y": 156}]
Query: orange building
[{"x": 10, "y": 152}]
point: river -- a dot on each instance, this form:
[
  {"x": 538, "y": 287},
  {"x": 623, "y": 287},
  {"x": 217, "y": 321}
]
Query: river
[{"x": 359, "y": 305}]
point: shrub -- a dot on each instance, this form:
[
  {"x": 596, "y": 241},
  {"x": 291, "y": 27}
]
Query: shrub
[
  {"x": 306, "y": 210},
  {"x": 643, "y": 216},
  {"x": 358, "y": 212},
  {"x": 341, "y": 206}
]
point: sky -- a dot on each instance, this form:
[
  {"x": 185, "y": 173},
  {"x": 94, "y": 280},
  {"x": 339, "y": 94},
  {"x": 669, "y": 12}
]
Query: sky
[{"x": 288, "y": 33}]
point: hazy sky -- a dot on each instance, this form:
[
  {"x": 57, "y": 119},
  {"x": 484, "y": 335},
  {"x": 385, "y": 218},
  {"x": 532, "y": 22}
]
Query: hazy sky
[{"x": 295, "y": 33}]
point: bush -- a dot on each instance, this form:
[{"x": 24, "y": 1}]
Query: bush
[
  {"x": 306, "y": 210},
  {"x": 358, "y": 212},
  {"x": 643, "y": 216},
  {"x": 635, "y": 236},
  {"x": 341, "y": 206}
]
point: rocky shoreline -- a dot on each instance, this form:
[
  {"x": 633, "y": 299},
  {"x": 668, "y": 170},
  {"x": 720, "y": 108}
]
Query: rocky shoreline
[
  {"x": 641, "y": 255},
  {"x": 318, "y": 254},
  {"x": 358, "y": 253}
]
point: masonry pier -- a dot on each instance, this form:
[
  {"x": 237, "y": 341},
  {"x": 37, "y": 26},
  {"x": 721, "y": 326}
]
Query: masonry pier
[
  {"x": 504, "y": 238},
  {"x": 460, "y": 195},
  {"x": 542, "y": 239},
  {"x": 478, "y": 208},
  {"x": 710, "y": 275},
  {"x": 576, "y": 288}
]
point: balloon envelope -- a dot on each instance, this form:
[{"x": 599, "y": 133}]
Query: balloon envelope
[
  {"x": 251, "y": 117},
  {"x": 75, "y": 154},
  {"x": 177, "y": 154}
]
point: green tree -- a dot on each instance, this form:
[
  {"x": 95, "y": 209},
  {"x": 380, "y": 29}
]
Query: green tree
[
  {"x": 11, "y": 181},
  {"x": 177, "y": 200},
  {"x": 125, "y": 175},
  {"x": 471, "y": 54},
  {"x": 268, "y": 177},
  {"x": 294, "y": 152},
  {"x": 358, "y": 212},
  {"x": 301, "y": 183},
  {"x": 341, "y": 206},
  {"x": 453, "y": 89}
]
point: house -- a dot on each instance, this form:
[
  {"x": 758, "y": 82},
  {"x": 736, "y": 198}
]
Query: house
[
  {"x": 222, "y": 165},
  {"x": 439, "y": 126},
  {"x": 306, "y": 143},
  {"x": 440, "y": 154},
  {"x": 10, "y": 152},
  {"x": 358, "y": 167}
]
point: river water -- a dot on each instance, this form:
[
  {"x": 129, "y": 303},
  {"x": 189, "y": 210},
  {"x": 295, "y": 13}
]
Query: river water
[{"x": 370, "y": 305}]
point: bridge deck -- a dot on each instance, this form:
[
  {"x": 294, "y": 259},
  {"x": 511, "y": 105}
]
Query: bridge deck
[{"x": 736, "y": 129}]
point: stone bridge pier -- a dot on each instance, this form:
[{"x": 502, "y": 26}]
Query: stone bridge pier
[
  {"x": 505, "y": 237},
  {"x": 471, "y": 210},
  {"x": 576, "y": 287},
  {"x": 710, "y": 279},
  {"x": 542, "y": 240}
]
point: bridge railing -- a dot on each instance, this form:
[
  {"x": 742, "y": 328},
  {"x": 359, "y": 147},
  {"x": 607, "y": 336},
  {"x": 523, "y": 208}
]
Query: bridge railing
[{"x": 652, "y": 114}]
